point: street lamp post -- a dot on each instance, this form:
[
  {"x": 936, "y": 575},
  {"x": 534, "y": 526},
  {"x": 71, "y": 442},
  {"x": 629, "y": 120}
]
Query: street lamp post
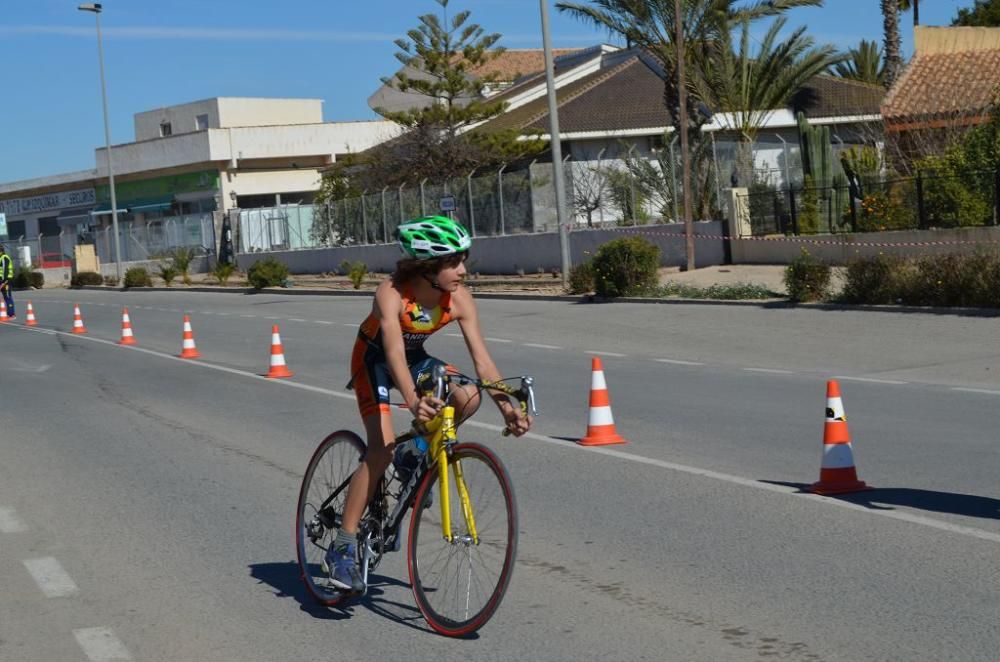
[
  {"x": 557, "y": 161},
  {"x": 96, "y": 8}
]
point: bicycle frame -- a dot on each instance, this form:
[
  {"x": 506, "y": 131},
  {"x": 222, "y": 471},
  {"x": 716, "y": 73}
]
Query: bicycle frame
[{"x": 443, "y": 434}]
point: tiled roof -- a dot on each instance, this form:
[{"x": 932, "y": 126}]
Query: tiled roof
[
  {"x": 831, "y": 96},
  {"x": 943, "y": 85},
  {"x": 515, "y": 63}
]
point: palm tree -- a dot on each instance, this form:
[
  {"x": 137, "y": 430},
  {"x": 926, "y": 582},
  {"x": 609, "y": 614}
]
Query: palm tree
[
  {"x": 747, "y": 87},
  {"x": 893, "y": 49},
  {"x": 863, "y": 63}
]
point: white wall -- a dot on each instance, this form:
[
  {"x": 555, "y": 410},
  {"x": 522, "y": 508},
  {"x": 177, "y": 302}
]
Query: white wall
[
  {"x": 181, "y": 118},
  {"x": 265, "y": 182},
  {"x": 241, "y": 111}
]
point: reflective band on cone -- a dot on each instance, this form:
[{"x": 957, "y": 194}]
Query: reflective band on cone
[
  {"x": 601, "y": 424},
  {"x": 837, "y": 474},
  {"x": 30, "y": 316},
  {"x": 78, "y": 326},
  {"x": 188, "y": 350},
  {"x": 278, "y": 367},
  {"x": 3, "y": 311},
  {"x": 127, "y": 337}
]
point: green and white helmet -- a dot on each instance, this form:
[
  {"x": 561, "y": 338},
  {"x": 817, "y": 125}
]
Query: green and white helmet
[{"x": 433, "y": 236}]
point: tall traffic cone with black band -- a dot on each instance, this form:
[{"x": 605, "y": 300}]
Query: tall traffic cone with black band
[
  {"x": 78, "y": 326},
  {"x": 188, "y": 350},
  {"x": 3, "y": 311},
  {"x": 278, "y": 367},
  {"x": 601, "y": 424},
  {"x": 838, "y": 474},
  {"x": 127, "y": 337},
  {"x": 29, "y": 319}
]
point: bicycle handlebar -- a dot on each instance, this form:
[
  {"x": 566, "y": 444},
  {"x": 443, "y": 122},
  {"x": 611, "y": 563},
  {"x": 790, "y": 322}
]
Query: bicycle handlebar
[{"x": 525, "y": 394}]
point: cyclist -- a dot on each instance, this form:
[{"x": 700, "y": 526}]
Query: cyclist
[{"x": 421, "y": 296}]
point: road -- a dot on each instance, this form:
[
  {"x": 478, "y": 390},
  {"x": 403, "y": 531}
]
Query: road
[{"x": 147, "y": 502}]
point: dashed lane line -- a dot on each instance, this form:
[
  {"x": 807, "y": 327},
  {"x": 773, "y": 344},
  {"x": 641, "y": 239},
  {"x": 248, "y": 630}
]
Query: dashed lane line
[
  {"x": 50, "y": 577},
  {"x": 101, "y": 645},
  {"x": 678, "y": 362},
  {"x": 600, "y": 353},
  {"x": 621, "y": 455},
  {"x": 497, "y": 340},
  {"x": 322, "y": 322},
  {"x": 772, "y": 371},
  {"x": 975, "y": 390},
  {"x": 296, "y": 319},
  {"x": 872, "y": 380},
  {"x": 541, "y": 346},
  {"x": 10, "y": 522}
]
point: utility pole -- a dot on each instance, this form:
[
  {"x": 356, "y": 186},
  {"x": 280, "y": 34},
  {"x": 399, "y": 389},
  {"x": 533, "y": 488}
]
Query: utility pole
[{"x": 682, "y": 121}]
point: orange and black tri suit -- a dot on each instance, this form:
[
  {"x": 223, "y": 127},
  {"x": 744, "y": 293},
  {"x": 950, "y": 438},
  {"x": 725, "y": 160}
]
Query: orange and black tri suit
[{"x": 370, "y": 376}]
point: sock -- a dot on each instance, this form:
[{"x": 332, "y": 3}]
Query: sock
[{"x": 344, "y": 539}]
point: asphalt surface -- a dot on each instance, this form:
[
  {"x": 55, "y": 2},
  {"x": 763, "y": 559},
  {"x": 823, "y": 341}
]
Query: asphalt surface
[{"x": 147, "y": 502}]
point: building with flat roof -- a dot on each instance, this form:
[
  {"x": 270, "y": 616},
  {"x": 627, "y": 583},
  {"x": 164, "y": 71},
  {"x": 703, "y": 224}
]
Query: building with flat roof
[{"x": 187, "y": 162}]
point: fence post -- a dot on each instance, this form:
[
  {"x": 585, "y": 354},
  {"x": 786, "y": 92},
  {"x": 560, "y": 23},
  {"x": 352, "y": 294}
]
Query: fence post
[
  {"x": 423, "y": 201},
  {"x": 472, "y": 212},
  {"x": 503, "y": 230},
  {"x": 996, "y": 196},
  {"x": 921, "y": 212},
  {"x": 402, "y": 213},
  {"x": 854, "y": 212},
  {"x": 364, "y": 214},
  {"x": 791, "y": 208},
  {"x": 385, "y": 214}
]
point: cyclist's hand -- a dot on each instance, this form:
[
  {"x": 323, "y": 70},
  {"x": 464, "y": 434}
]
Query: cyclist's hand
[
  {"x": 427, "y": 408},
  {"x": 517, "y": 422}
]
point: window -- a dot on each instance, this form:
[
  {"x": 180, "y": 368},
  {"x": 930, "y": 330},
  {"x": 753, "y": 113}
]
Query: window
[
  {"x": 200, "y": 122},
  {"x": 165, "y": 129}
]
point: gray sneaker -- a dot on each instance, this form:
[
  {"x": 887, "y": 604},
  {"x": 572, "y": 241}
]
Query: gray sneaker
[{"x": 342, "y": 566}]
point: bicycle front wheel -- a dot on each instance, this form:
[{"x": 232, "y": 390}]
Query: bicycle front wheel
[
  {"x": 318, "y": 515},
  {"x": 458, "y": 585}
]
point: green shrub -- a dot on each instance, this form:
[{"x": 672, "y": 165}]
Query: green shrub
[
  {"x": 223, "y": 271},
  {"x": 111, "y": 281},
  {"x": 138, "y": 277},
  {"x": 86, "y": 278},
  {"x": 626, "y": 267},
  {"x": 182, "y": 257},
  {"x": 357, "y": 274},
  {"x": 168, "y": 273},
  {"x": 581, "y": 278},
  {"x": 345, "y": 267},
  {"x": 806, "y": 278},
  {"x": 267, "y": 273},
  {"x": 726, "y": 291},
  {"x": 880, "y": 279},
  {"x": 879, "y": 211},
  {"x": 25, "y": 278}
]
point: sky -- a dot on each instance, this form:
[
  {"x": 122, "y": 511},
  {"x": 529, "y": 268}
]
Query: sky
[{"x": 165, "y": 52}]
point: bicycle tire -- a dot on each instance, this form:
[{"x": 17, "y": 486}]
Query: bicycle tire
[
  {"x": 441, "y": 573},
  {"x": 333, "y": 462}
]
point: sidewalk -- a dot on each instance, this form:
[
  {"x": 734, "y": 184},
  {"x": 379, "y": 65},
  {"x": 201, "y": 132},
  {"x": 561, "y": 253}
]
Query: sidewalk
[{"x": 771, "y": 276}]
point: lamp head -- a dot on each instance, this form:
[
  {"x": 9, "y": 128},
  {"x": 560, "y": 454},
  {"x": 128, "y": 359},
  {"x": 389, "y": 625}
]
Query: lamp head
[{"x": 91, "y": 6}]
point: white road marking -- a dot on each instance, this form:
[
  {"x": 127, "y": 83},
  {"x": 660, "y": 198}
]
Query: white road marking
[
  {"x": 295, "y": 319},
  {"x": 101, "y": 645},
  {"x": 454, "y": 335},
  {"x": 246, "y": 316},
  {"x": 609, "y": 452},
  {"x": 322, "y": 322},
  {"x": 774, "y": 371},
  {"x": 975, "y": 390},
  {"x": 272, "y": 318},
  {"x": 600, "y": 353},
  {"x": 869, "y": 379},
  {"x": 50, "y": 577},
  {"x": 498, "y": 340},
  {"x": 678, "y": 362},
  {"x": 9, "y": 521},
  {"x": 540, "y": 346},
  {"x": 351, "y": 324}
]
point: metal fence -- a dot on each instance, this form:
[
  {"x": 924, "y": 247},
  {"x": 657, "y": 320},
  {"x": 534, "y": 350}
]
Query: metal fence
[{"x": 928, "y": 200}]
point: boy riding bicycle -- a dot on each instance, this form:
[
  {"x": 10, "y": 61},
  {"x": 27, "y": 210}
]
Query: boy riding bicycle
[{"x": 423, "y": 295}]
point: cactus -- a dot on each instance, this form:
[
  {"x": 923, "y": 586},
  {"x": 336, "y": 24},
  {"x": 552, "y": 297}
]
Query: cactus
[{"x": 817, "y": 162}]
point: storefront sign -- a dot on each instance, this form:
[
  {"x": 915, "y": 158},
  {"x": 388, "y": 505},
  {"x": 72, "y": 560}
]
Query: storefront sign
[
  {"x": 189, "y": 182},
  {"x": 48, "y": 202}
]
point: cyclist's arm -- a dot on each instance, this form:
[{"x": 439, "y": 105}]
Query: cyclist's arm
[{"x": 468, "y": 319}]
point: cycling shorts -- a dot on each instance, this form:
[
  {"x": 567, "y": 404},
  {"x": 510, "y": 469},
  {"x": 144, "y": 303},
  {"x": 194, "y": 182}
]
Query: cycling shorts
[{"x": 371, "y": 378}]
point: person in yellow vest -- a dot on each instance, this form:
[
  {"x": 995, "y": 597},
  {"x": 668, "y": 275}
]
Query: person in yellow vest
[{"x": 6, "y": 276}]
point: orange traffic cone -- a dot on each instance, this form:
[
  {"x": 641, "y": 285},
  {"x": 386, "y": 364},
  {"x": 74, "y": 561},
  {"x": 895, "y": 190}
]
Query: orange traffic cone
[
  {"x": 3, "y": 311},
  {"x": 30, "y": 319},
  {"x": 127, "y": 337},
  {"x": 188, "y": 350},
  {"x": 78, "y": 326},
  {"x": 601, "y": 424},
  {"x": 278, "y": 367},
  {"x": 837, "y": 474}
]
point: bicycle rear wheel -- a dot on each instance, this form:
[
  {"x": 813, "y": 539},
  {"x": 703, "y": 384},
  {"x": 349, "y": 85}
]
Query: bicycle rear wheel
[
  {"x": 459, "y": 585},
  {"x": 331, "y": 466}
]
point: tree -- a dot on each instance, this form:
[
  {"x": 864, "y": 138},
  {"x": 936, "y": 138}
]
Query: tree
[
  {"x": 864, "y": 63},
  {"x": 985, "y": 13},
  {"x": 749, "y": 86},
  {"x": 649, "y": 25},
  {"x": 893, "y": 47}
]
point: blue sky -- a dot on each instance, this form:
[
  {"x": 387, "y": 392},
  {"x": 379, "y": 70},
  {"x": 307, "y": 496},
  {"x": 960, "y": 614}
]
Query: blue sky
[{"x": 164, "y": 52}]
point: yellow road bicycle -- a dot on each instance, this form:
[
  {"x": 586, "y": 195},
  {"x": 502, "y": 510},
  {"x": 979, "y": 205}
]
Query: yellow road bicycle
[{"x": 460, "y": 552}]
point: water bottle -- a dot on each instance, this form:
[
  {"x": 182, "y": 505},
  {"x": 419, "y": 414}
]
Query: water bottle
[{"x": 407, "y": 457}]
